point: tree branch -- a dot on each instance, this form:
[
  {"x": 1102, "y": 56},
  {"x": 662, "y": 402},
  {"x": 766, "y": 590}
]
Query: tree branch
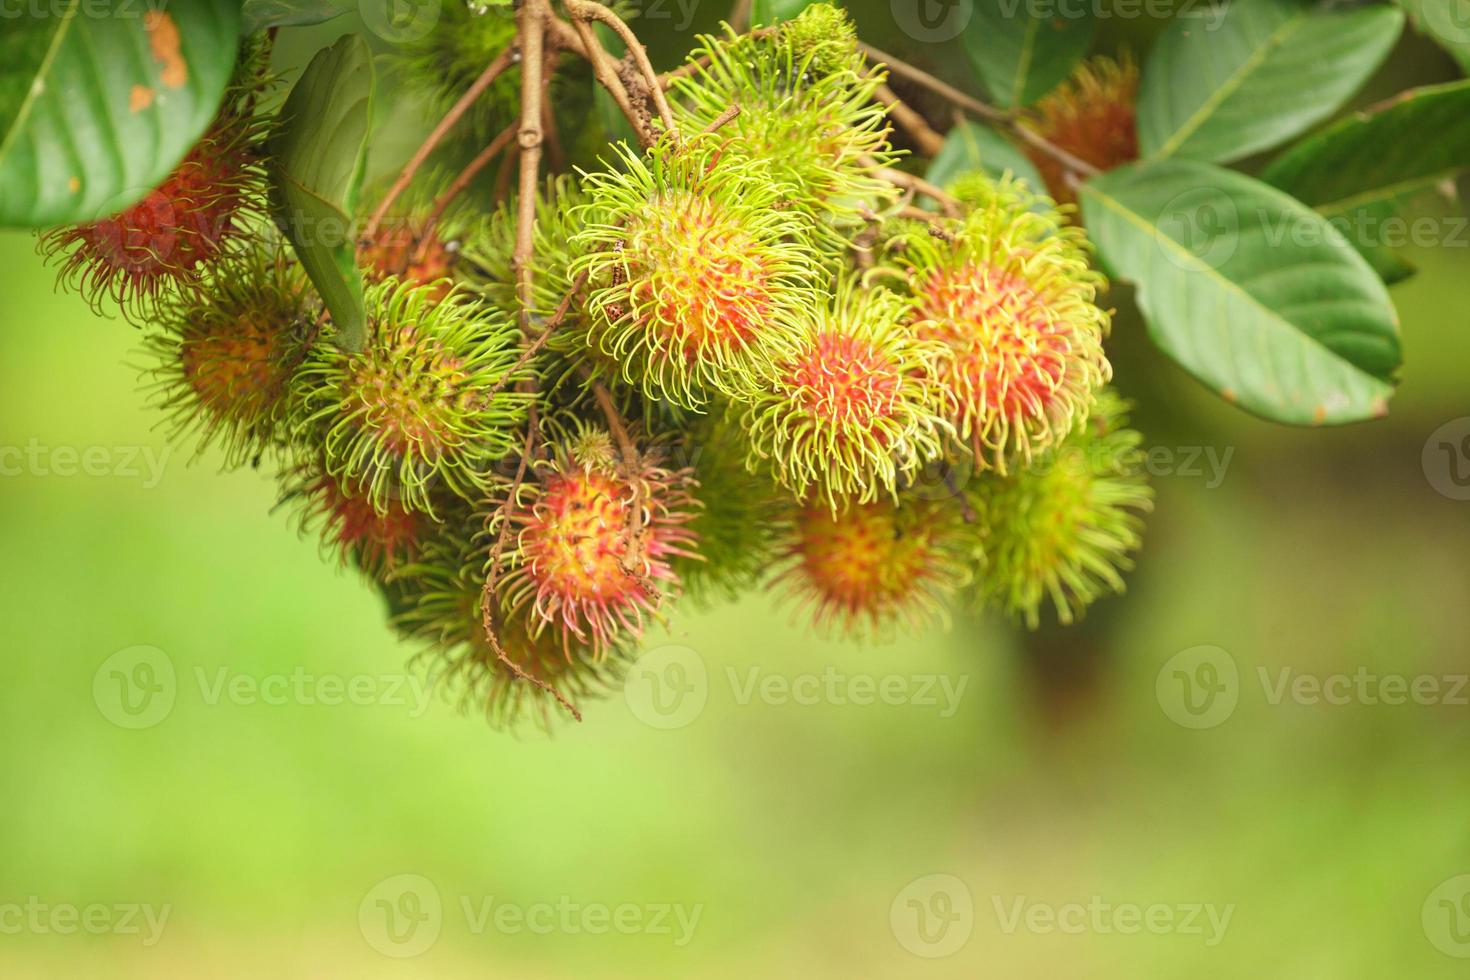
[{"x": 587, "y": 10}]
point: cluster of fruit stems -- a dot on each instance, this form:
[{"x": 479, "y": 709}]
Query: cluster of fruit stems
[{"x": 638, "y": 91}]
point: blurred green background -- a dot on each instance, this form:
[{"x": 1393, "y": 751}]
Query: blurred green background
[{"x": 804, "y": 836}]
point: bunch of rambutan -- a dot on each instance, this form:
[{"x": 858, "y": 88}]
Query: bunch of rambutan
[{"x": 738, "y": 356}]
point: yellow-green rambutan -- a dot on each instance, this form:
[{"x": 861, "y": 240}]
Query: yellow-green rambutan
[
  {"x": 429, "y": 402},
  {"x": 871, "y": 566},
  {"x": 593, "y": 542},
  {"x": 1009, "y": 291},
  {"x": 695, "y": 267},
  {"x": 808, "y": 116},
  {"x": 1063, "y": 528},
  {"x": 221, "y": 359},
  {"x": 439, "y": 599},
  {"x": 856, "y": 407},
  {"x": 1093, "y": 116}
]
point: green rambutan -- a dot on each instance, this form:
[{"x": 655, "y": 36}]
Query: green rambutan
[
  {"x": 1093, "y": 116},
  {"x": 430, "y": 400},
  {"x": 449, "y": 58},
  {"x": 593, "y": 542},
  {"x": 221, "y": 361},
  {"x": 488, "y": 266},
  {"x": 439, "y": 600},
  {"x": 696, "y": 268},
  {"x": 1062, "y": 529},
  {"x": 808, "y": 117},
  {"x": 1010, "y": 292},
  {"x": 873, "y": 565},
  {"x": 213, "y": 198},
  {"x": 855, "y": 407}
]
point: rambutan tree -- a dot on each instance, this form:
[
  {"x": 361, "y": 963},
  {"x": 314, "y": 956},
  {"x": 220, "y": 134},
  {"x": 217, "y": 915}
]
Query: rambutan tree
[{"x": 792, "y": 313}]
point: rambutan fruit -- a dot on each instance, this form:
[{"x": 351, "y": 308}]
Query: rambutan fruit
[
  {"x": 221, "y": 359},
  {"x": 1010, "y": 293},
  {"x": 488, "y": 266},
  {"x": 212, "y": 199},
  {"x": 695, "y": 267},
  {"x": 855, "y": 407},
  {"x": 808, "y": 117},
  {"x": 406, "y": 246},
  {"x": 1062, "y": 529},
  {"x": 439, "y": 599},
  {"x": 1093, "y": 116},
  {"x": 863, "y": 569},
  {"x": 447, "y": 60},
  {"x": 429, "y": 402},
  {"x": 594, "y": 539}
]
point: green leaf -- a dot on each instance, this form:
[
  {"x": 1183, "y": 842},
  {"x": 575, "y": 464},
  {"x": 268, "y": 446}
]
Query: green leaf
[
  {"x": 1258, "y": 74},
  {"x": 1250, "y": 290},
  {"x": 1020, "y": 56},
  {"x": 260, "y": 14},
  {"x": 99, "y": 101},
  {"x": 971, "y": 146},
  {"x": 763, "y": 13},
  {"x": 1355, "y": 171},
  {"x": 1445, "y": 22},
  {"x": 317, "y": 159}
]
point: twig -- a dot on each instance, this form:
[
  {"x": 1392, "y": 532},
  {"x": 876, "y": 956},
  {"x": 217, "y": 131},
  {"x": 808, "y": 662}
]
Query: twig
[
  {"x": 494, "y": 70},
  {"x": 740, "y": 15},
  {"x": 607, "y": 77},
  {"x": 591, "y": 10},
  {"x": 532, "y": 25},
  {"x": 929, "y": 140},
  {"x": 633, "y": 533},
  {"x": 457, "y": 186},
  {"x": 979, "y": 109},
  {"x": 920, "y": 185},
  {"x": 722, "y": 120}
]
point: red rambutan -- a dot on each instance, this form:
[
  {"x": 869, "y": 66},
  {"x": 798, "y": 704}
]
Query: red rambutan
[{"x": 1093, "y": 116}]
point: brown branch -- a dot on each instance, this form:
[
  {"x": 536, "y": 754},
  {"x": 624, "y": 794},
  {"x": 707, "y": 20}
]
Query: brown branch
[
  {"x": 494, "y": 70},
  {"x": 531, "y": 18},
  {"x": 919, "y": 185},
  {"x": 463, "y": 180},
  {"x": 975, "y": 107},
  {"x": 591, "y": 10},
  {"x": 928, "y": 139},
  {"x": 607, "y": 77}
]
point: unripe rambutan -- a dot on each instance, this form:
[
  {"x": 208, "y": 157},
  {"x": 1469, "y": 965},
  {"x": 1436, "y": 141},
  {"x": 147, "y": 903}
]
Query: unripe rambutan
[
  {"x": 1011, "y": 294},
  {"x": 696, "y": 268},
  {"x": 872, "y": 565},
  {"x": 447, "y": 59},
  {"x": 856, "y": 407},
  {"x": 212, "y": 198},
  {"x": 593, "y": 543},
  {"x": 488, "y": 266},
  {"x": 221, "y": 359},
  {"x": 1062, "y": 529},
  {"x": 428, "y": 401},
  {"x": 807, "y": 118},
  {"x": 1093, "y": 116},
  {"x": 350, "y": 528},
  {"x": 439, "y": 600}
]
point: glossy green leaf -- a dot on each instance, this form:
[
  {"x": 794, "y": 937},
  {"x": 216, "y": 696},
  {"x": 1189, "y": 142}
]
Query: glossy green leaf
[
  {"x": 1356, "y": 170},
  {"x": 317, "y": 160},
  {"x": 1019, "y": 54},
  {"x": 260, "y": 14},
  {"x": 1250, "y": 290},
  {"x": 1260, "y": 73},
  {"x": 1445, "y": 22},
  {"x": 971, "y": 146},
  {"x": 100, "y": 100}
]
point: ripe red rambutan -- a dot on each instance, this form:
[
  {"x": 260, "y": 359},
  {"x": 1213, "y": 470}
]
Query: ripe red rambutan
[
  {"x": 352, "y": 530},
  {"x": 1093, "y": 116},
  {"x": 415, "y": 254},
  {"x": 593, "y": 546},
  {"x": 871, "y": 565}
]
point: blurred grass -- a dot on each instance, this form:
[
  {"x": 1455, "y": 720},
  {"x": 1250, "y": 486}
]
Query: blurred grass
[{"x": 794, "y": 827}]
